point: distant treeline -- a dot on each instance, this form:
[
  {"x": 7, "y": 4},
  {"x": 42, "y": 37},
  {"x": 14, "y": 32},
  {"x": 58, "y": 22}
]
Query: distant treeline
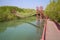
[
  {"x": 6, "y": 14},
  {"x": 53, "y": 10}
]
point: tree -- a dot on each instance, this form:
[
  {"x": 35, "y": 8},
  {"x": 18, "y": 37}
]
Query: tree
[{"x": 53, "y": 10}]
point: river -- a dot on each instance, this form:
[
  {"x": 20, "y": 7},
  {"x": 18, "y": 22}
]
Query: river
[{"x": 22, "y": 29}]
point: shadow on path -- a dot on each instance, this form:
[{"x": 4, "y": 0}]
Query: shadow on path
[{"x": 58, "y": 25}]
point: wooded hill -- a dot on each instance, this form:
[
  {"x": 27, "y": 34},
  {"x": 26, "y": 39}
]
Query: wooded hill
[{"x": 6, "y": 14}]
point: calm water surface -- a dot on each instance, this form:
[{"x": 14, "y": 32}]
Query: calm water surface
[{"x": 20, "y": 30}]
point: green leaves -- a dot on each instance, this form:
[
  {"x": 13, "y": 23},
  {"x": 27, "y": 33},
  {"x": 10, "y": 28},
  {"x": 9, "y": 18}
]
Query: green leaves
[
  {"x": 53, "y": 10},
  {"x": 6, "y": 14}
]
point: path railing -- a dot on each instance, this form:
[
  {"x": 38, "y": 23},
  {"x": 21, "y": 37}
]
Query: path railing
[{"x": 44, "y": 30}]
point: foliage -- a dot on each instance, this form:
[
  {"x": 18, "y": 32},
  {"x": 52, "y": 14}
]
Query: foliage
[
  {"x": 52, "y": 10},
  {"x": 6, "y": 15}
]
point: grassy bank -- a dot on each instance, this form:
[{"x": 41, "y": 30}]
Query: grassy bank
[{"x": 7, "y": 15}]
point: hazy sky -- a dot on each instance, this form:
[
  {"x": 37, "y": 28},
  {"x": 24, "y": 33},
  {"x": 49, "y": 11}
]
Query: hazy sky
[{"x": 25, "y": 3}]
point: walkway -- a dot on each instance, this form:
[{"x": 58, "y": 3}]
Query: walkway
[{"x": 52, "y": 32}]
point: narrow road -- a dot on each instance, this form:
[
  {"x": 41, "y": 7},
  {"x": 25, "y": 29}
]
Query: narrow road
[{"x": 52, "y": 32}]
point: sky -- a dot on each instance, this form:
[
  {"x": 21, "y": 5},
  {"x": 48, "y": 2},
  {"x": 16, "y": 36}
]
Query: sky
[{"x": 25, "y": 3}]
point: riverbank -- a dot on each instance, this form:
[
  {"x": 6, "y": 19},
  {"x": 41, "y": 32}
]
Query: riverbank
[{"x": 8, "y": 13}]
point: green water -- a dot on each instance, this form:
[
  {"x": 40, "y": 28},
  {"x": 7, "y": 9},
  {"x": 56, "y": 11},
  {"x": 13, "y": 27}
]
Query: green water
[{"x": 21, "y": 29}]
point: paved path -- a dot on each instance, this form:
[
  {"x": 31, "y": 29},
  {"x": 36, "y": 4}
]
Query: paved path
[{"x": 52, "y": 32}]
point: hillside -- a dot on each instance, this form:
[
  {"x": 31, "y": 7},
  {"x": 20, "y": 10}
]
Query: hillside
[{"x": 6, "y": 13}]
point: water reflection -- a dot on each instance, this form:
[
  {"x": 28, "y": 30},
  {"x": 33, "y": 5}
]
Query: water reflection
[
  {"x": 14, "y": 23},
  {"x": 20, "y": 30}
]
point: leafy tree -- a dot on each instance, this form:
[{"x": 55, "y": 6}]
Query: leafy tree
[{"x": 52, "y": 10}]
